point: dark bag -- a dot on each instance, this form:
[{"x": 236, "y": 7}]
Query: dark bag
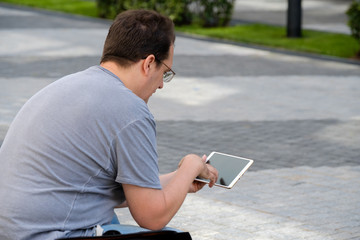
[{"x": 154, "y": 235}]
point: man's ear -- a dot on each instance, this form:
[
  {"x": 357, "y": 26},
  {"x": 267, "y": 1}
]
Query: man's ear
[{"x": 148, "y": 63}]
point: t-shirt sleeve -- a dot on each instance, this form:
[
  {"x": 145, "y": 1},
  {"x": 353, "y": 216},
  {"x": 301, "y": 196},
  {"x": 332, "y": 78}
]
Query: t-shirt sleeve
[{"x": 136, "y": 156}]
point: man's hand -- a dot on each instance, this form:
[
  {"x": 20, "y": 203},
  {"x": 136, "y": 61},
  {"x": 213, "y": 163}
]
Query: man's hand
[
  {"x": 208, "y": 172},
  {"x": 154, "y": 208}
]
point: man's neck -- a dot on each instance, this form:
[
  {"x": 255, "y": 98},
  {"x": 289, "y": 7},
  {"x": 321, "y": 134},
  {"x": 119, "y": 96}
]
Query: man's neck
[{"x": 129, "y": 76}]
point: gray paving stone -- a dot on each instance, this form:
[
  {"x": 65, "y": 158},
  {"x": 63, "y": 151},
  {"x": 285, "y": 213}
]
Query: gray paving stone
[
  {"x": 33, "y": 67},
  {"x": 314, "y": 17},
  {"x": 249, "y": 66},
  {"x": 298, "y": 117},
  {"x": 16, "y": 17},
  {"x": 272, "y": 144}
]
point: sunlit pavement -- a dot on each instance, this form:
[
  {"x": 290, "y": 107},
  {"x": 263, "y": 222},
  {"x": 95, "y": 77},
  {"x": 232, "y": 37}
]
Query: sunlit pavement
[
  {"x": 297, "y": 117},
  {"x": 321, "y": 15}
]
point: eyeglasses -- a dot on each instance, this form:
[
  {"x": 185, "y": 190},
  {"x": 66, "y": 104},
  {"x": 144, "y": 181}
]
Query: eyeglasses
[{"x": 168, "y": 75}]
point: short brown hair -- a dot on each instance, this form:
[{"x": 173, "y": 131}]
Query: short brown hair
[{"x": 135, "y": 34}]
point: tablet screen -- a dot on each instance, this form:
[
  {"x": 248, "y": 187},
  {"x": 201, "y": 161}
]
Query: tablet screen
[{"x": 230, "y": 168}]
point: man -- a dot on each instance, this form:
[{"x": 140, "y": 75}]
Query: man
[{"x": 86, "y": 143}]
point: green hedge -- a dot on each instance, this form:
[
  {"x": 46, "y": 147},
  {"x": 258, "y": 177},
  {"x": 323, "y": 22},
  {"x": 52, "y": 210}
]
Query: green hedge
[
  {"x": 215, "y": 12},
  {"x": 207, "y": 13},
  {"x": 354, "y": 20}
]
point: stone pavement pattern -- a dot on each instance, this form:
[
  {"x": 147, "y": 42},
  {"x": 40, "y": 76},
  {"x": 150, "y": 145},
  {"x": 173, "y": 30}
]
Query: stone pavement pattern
[
  {"x": 323, "y": 15},
  {"x": 297, "y": 117}
]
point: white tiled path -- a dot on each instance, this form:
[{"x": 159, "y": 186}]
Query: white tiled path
[{"x": 288, "y": 203}]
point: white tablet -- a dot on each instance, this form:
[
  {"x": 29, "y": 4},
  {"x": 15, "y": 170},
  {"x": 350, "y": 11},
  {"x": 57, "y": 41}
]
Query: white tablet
[{"x": 230, "y": 168}]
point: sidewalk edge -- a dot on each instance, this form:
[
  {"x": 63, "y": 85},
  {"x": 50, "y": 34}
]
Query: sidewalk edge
[{"x": 271, "y": 49}]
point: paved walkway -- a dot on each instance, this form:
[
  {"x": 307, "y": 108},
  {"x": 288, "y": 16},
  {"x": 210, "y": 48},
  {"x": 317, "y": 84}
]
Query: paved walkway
[
  {"x": 297, "y": 117},
  {"x": 323, "y": 15}
]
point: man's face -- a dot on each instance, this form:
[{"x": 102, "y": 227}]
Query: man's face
[{"x": 156, "y": 80}]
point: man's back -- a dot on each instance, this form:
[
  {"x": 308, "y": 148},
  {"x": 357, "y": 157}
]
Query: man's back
[{"x": 59, "y": 160}]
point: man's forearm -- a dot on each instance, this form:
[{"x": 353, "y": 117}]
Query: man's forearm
[
  {"x": 153, "y": 208},
  {"x": 166, "y": 178}
]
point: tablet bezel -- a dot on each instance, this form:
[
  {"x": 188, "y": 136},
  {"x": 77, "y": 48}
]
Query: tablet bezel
[{"x": 241, "y": 173}]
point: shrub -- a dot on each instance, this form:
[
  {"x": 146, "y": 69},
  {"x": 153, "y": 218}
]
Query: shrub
[
  {"x": 354, "y": 20},
  {"x": 175, "y": 9},
  {"x": 205, "y": 12},
  {"x": 215, "y": 12}
]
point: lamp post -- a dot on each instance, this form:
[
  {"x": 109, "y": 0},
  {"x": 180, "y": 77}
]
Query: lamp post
[{"x": 294, "y": 18}]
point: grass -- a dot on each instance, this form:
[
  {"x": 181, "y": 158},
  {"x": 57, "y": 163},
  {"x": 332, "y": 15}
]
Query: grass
[
  {"x": 332, "y": 44},
  {"x": 80, "y": 7}
]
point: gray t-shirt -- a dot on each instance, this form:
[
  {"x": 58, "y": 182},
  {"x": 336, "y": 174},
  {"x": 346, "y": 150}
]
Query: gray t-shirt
[{"x": 67, "y": 154}]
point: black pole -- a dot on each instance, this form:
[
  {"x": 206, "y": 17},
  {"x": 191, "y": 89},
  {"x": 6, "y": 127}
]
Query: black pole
[{"x": 294, "y": 15}]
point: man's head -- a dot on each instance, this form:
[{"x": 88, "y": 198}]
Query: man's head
[{"x": 135, "y": 34}]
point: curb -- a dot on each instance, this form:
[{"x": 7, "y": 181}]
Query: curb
[
  {"x": 50, "y": 12},
  {"x": 271, "y": 49},
  {"x": 193, "y": 36}
]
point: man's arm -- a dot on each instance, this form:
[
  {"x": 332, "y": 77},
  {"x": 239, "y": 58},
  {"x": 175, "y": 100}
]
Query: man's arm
[
  {"x": 153, "y": 208},
  {"x": 164, "y": 180}
]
